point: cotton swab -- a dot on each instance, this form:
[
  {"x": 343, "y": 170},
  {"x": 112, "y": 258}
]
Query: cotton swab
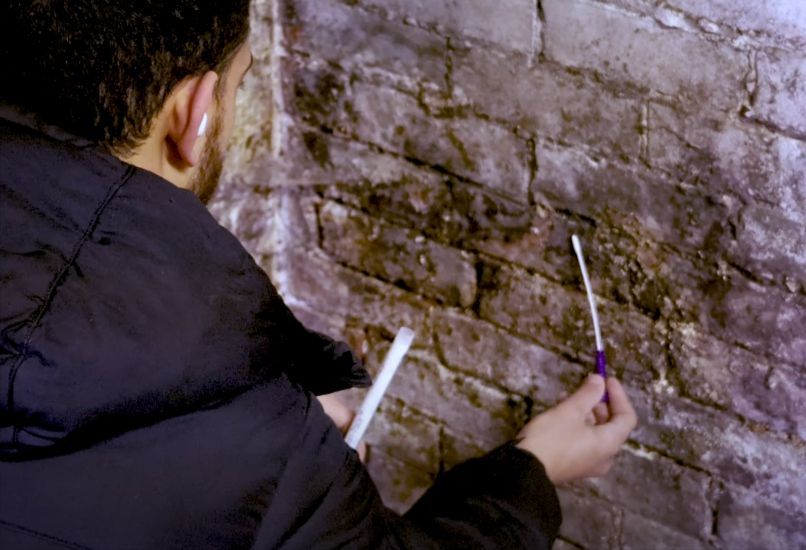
[
  {"x": 601, "y": 361},
  {"x": 400, "y": 346}
]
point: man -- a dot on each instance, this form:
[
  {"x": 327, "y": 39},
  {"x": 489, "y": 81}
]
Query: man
[{"x": 155, "y": 392}]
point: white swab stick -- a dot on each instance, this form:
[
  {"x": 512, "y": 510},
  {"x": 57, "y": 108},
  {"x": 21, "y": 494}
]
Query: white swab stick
[
  {"x": 591, "y": 300},
  {"x": 400, "y": 346}
]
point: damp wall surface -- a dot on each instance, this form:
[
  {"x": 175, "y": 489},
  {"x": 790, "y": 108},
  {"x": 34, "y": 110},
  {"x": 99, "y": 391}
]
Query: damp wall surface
[{"x": 425, "y": 162}]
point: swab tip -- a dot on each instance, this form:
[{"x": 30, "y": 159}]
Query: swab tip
[
  {"x": 577, "y": 244},
  {"x": 405, "y": 334}
]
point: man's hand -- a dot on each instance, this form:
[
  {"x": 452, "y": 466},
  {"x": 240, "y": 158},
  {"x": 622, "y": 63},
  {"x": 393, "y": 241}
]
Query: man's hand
[
  {"x": 342, "y": 416},
  {"x": 581, "y": 436}
]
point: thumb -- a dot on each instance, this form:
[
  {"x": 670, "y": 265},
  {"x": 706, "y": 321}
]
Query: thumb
[{"x": 587, "y": 396}]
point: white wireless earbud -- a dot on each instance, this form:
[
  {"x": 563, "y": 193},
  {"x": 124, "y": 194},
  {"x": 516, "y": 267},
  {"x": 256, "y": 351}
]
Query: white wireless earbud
[{"x": 203, "y": 125}]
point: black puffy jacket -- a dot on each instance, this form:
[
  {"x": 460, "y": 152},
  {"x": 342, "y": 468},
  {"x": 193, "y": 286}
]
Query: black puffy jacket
[{"x": 155, "y": 392}]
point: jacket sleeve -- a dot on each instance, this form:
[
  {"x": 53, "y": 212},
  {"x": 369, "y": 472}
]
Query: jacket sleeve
[
  {"x": 344, "y": 369},
  {"x": 501, "y": 500}
]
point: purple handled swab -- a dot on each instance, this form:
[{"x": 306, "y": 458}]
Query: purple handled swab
[{"x": 601, "y": 362}]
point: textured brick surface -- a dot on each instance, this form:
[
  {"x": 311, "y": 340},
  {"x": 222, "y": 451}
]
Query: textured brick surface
[
  {"x": 466, "y": 344},
  {"x": 398, "y": 255},
  {"x": 400, "y": 484},
  {"x": 639, "y": 533},
  {"x": 765, "y": 319},
  {"x": 713, "y": 441},
  {"x": 746, "y": 523},
  {"x": 589, "y": 521},
  {"x": 714, "y": 372},
  {"x": 425, "y": 163},
  {"x": 471, "y": 407},
  {"x": 626, "y": 47},
  {"x": 316, "y": 283},
  {"x": 546, "y": 101},
  {"x": 398, "y": 122},
  {"x": 535, "y": 308},
  {"x": 781, "y": 87},
  {"x": 753, "y": 162},
  {"x": 431, "y": 202},
  {"x": 780, "y": 18},
  {"x": 770, "y": 243},
  {"x": 407, "y": 435},
  {"x": 511, "y": 24},
  {"x": 355, "y": 39},
  {"x": 599, "y": 188},
  {"x": 666, "y": 493}
]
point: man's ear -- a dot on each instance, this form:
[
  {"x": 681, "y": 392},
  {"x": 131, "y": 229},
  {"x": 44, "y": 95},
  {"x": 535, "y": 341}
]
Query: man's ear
[{"x": 193, "y": 115}]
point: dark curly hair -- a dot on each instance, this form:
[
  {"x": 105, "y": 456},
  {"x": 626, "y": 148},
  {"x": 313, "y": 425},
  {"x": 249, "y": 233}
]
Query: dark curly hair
[{"x": 102, "y": 69}]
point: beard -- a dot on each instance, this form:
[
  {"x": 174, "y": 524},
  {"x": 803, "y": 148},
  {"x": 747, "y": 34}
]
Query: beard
[{"x": 211, "y": 164}]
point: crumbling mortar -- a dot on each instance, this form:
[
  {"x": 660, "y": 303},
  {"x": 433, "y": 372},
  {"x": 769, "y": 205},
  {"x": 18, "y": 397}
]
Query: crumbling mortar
[
  {"x": 715, "y": 487},
  {"x": 785, "y": 132},
  {"x": 449, "y": 67},
  {"x": 528, "y": 401},
  {"x": 727, "y": 35},
  {"x": 538, "y": 34},
  {"x": 751, "y": 79},
  {"x": 644, "y": 135},
  {"x": 386, "y": 15},
  {"x": 663, "y": 454}
]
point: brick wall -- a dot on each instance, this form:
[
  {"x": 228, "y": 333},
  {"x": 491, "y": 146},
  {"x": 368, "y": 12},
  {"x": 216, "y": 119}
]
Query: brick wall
[{"x": 424, "y": 163}]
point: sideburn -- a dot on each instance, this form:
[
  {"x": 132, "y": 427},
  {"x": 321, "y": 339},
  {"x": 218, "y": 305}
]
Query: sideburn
[{"x": 211, "y": 164}]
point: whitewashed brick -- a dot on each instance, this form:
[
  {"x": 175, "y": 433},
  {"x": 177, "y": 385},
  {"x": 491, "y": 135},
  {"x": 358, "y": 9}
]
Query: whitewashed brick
[
  {"x": 511, "y": 24},
  {"x": 781, "y": 91},
  {"x": 623, "y": 46}
]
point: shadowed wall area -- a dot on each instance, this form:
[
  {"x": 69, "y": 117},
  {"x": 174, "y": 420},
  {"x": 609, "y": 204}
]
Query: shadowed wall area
[{"x": 425, "y": 162}]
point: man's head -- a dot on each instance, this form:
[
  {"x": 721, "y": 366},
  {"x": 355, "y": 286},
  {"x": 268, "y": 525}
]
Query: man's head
[{"x": 136, "y": 76}]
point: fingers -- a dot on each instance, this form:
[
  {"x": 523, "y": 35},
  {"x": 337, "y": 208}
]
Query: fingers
[
  {"x": 587, "y": 396},
  {"x": 362, "y": 451},
  {"x": 601, "y": 413},
  {"x": 341, "y": 414},
  {"x": 622, "y": 416},
  {"x": 621, "y": 410}
]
